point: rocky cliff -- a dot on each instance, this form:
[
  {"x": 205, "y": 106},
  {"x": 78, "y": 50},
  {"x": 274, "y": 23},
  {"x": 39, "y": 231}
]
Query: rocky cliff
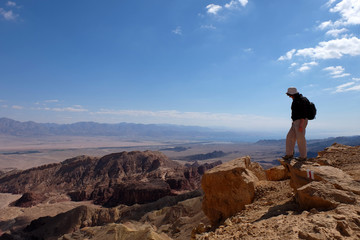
[
  {"x": 119, "y": 178},
  {"x": 305, "y": 200}
]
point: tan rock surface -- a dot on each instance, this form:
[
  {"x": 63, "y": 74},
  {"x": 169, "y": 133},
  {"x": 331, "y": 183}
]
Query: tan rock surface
[
  {"x": 228, "y": 188},
  {"x": 321, "y": 187},
  {"x": 277, "y": 214},
  {"x": 277, "y": 173},
  {"x": 343, "y": 157}
]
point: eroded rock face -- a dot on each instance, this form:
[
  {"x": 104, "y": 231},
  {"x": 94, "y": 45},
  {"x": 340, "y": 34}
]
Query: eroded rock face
[
  {"x": 118, "y": 178},
  {"x": 228, "y": 188}
]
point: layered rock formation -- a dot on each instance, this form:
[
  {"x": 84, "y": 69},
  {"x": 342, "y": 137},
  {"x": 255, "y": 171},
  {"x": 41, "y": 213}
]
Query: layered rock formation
[{"x": 119, "y": 178}]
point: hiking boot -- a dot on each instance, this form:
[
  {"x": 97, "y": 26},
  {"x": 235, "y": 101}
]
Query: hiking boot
[
  {"x": 288, "y": 157},
  {"x": 301, "y": 159}
]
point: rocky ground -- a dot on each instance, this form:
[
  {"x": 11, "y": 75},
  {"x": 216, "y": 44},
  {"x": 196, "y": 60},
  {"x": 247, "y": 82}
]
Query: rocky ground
[
  {"x": 276, "y": 213},
  {"x": 292, "y": 206}
]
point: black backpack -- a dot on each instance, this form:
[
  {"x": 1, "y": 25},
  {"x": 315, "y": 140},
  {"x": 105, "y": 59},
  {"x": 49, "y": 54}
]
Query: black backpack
[{"x": 310, "y": 109}]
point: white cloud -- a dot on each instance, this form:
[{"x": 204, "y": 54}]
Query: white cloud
[
  {"x": 336, "y": 32},
  {"x": 288, "y": 55},
  {"x": 336, "y": 72},
  {"x": 356, "y": 79},
  {"x": 330, "y": 2},
  {"x": 332, "y": 49},
  {"x": 243, "y": 2},
  {"x": 325, "y": 25},
  {"x": 307, "y": 66},
  {"x": 8, "y": 15},
  {"x": 177, "y": 31},
  {"x": 11, "y": 4},
  {"x": 75, "y": 108},
  {"x": 293, "y": 64},
  {"x": 213, "y": 8},
  {"x": 233, "y": 4},
  {"x": 347, "y": 87},
  {"x": 349, "y": 11}
]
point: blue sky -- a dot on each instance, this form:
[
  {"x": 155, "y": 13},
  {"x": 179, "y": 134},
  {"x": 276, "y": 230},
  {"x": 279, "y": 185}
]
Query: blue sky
[{"x": 217, "y": 63}]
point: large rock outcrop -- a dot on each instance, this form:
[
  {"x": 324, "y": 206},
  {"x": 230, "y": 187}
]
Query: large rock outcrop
[
  {"x": 118, "y": 178},
  {"x": 229, "y": 187},
  {"x": 320, "y": 186},
  {"x": 321, "y": 203}
]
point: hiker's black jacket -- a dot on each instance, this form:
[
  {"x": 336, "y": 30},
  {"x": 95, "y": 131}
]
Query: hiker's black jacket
[{"x": 298, "y": 107}]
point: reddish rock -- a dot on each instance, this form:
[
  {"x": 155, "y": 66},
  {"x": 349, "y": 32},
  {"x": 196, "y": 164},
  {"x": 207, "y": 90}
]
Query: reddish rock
[
  {"x": 28, "y": 199},
  {"x": 118, "y": 178}
]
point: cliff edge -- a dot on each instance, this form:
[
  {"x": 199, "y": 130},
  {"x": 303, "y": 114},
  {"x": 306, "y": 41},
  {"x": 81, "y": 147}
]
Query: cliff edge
[{"x": 316, "y": 199}]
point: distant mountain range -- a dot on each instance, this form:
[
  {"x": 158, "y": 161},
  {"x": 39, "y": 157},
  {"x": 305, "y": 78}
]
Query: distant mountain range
[{"x": 9, "y": 127}]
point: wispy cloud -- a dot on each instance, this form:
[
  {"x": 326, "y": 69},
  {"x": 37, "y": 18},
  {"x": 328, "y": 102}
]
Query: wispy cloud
[
  {"x": 347, "y": 87},
  {"x": 288, "y": 55},
  {"x": 177, "y": 30},
  {"x": 8, "y": 15},
  {"x": 75, "y": 108},
  {"x": 307, "y": 66},
  {"x": 11, "y": 4},
  {"x": 52, "y": 101},
  {"x": 336, "y": 32},
  {"x": 336, "y": 72}
]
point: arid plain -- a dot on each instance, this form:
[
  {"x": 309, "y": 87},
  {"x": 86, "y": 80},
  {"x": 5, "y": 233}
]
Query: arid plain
[{"x": 23, "y": 153}]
